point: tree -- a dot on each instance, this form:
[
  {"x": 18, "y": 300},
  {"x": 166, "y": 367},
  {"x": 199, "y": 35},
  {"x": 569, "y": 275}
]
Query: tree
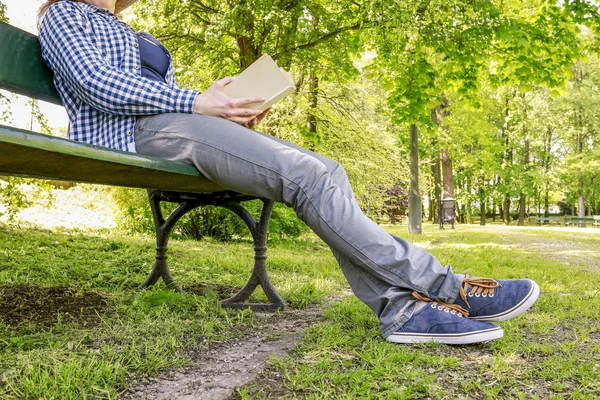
[
  {"x": 581, "y": 135},
  {"x": 336, "y": 111}
]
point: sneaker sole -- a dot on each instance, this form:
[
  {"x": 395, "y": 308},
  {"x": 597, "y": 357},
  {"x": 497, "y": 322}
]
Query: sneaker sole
[
  {"x": 519, "y": 309},
  {"x": 453, "y": 338}
]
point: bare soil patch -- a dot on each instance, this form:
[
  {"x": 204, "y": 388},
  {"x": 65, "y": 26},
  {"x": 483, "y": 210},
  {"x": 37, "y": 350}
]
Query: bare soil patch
[
  {"x": 46, "y": 306},
  {"x": 222, "y": 291},
  {"x": 221, "y": 367}
]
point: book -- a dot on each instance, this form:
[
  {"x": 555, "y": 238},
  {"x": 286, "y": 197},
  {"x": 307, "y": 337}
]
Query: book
[{"x": 262, "y": 78}]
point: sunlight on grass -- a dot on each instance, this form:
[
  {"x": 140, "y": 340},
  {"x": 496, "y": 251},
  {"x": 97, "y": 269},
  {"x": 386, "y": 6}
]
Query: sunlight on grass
[
  {"x": 478, "y": 246},
  {"x": 82, "y": 206}
]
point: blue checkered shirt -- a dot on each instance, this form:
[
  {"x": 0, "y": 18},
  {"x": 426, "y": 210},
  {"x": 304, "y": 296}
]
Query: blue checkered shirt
[{"x": 96, "y": 63}]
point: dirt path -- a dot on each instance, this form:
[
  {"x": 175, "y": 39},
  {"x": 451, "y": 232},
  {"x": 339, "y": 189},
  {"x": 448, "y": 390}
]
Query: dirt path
[{"x": 223, "y": 367}]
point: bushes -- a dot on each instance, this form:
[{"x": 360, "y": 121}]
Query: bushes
[
  {"x": 18, "y": 193},
  {"x": 216, "y": 222}
]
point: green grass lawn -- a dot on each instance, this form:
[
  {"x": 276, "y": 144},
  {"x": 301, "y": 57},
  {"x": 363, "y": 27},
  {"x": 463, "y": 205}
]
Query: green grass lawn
[
  {"x": 553, "y": 351},
  {"x": 73, "y": 325}
]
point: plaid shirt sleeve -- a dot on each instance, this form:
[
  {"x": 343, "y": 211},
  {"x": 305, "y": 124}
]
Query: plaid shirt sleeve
[{"x": 69, "y": 48}]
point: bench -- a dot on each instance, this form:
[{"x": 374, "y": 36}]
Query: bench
[
  {"x": 580, "y": 221},
  {"x": 597, "y": 221},
  {"x": 547, "y": 220},
  {"x": 29, "y": 154}
]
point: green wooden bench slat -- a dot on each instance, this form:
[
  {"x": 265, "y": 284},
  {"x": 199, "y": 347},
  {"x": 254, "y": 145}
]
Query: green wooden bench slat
[
  {"x": 22, "y": 69},
  {"x": 23, "y": 153}
]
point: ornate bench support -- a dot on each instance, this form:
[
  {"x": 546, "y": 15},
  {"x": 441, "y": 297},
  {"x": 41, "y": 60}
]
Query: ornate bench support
[
  {"x": 259, "y": 275},
  {"x": 259, "y": 230}
]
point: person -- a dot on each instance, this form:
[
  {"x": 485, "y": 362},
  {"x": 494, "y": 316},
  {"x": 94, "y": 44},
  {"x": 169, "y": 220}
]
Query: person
[{"x": 119, "y": 91}]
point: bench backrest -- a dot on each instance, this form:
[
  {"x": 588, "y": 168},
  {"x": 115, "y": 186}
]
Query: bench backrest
[{"x": 22, "y": 69}]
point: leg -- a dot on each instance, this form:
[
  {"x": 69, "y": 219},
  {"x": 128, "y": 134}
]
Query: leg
[
  {"x": 388, "y": 301},
  {"x": 512, "y": 297},
  {"x": 382, "y": 270},
  {"x": 248, "y": 162}
]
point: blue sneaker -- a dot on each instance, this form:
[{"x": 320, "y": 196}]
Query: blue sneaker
[
  {"x": 491, "y": 300},
  {"x": 443, "y": 323}
]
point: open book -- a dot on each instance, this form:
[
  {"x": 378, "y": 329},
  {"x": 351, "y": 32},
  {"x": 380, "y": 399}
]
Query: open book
[{"x": 263, "y": 78}]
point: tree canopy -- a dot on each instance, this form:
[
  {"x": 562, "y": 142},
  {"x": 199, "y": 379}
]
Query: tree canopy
[{"x": 499, "y": 97}]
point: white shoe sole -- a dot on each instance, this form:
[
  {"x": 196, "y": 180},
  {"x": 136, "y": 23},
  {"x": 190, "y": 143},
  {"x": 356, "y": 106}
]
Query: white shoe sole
[
  {"x": 520, "y": 308},
  {"x": 453, "y": 338}
]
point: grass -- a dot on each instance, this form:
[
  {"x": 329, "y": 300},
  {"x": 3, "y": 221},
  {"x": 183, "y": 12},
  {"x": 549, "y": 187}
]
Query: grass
[
  {"x": 73, "y": 325},
  {"x": 551, "y": 352}
]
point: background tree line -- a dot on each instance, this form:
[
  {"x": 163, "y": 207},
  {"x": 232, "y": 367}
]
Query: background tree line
[{"x": 490, "y": 102}]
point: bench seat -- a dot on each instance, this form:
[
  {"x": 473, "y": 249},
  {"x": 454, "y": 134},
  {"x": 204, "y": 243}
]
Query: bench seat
[
  {"x": 548, "y": 220},
  {"x": 36, "y": 155},
  {"x": 579, "y": 220}
]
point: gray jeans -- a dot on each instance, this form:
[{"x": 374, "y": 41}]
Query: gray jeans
[{"x": 382, "y": 269}]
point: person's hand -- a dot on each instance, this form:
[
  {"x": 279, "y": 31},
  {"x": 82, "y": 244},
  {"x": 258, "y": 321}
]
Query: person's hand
[
  {"x": 214, "y": 102},
  {"x": 256, "y": 120}
]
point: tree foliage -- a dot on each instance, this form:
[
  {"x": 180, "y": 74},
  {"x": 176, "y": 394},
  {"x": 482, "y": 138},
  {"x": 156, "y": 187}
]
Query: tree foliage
[{"x": 513, "y": 85}]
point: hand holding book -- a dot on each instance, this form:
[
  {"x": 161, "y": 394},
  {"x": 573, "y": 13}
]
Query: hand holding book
[
  {"x": 263, "y": 78},
  {"x": 246, "y": 98},
  {"x": 215, "y": 103}
]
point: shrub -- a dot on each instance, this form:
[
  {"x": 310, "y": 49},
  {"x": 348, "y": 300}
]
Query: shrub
[
  {"x": 18, "y": 193},
  {"x": 216, "y": 222}
]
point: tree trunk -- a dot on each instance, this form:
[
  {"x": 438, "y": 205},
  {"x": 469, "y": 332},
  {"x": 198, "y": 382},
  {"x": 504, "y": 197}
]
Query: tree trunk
[
  {"x": 414, "y": 196},
  {"x": 547, "y": 151},
  {"x": 521, "y": 209},
  {"x": 247, "y": 48},
  {"x": 432, "y": 206},
  {"x": 508, "y": 159},
  {"x": 580, "y": 185},
  {"x": 437, "y": 191},
  {"x": 482, "y": 201},
  {"x": 522, "y": 199},
  {"x": 580, "y": 141},
  {"x": 438, "y": 115},
  {"x": 500, "y": 210},
  {"x": 448, "y": 174},
  {"x": 581, "y": 198},
  {"x": 313, "y": 101},
  {"x": 469, "y": 202},
  {"x": 506, "y": 209}
]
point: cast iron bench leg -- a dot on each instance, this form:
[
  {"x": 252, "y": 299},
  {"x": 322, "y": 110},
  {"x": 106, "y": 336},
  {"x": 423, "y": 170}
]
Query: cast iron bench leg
[
  {"x": 259, "y": 275},
  {"x": 163, "y": 231},
  {"x": 258, "y": 229}
]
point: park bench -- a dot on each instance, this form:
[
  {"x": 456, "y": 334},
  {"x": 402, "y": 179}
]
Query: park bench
[
  {"x": 597, "y": 221},
  {"x": 29, "y": 154},
  {"x": 547, "y": 220},
  {"x": 580, "y": 221}
]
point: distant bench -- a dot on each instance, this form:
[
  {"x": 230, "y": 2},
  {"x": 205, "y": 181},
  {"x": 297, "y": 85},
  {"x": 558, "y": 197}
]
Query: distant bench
[
  {"x": 30, "y": 154},
  {"x": 581, "y": 221},
  {"x": 547, "y": 220}
]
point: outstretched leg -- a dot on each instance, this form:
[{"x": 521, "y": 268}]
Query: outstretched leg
[{"x": 382, "y": 270}]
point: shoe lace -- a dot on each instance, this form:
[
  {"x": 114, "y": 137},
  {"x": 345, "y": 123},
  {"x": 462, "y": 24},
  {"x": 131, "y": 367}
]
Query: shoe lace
[
  {"x": 455, "y": 308},
  {"x": 479, "y": 286}
]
